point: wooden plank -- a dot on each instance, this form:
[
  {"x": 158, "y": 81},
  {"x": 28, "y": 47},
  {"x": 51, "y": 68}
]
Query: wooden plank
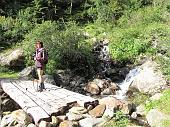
[
  {"x": 42, "y": 104},
  {"x": 26, "y": 103},
  {"x": 69, "y": 95},
  {"x": 39, "y": 98},
  {"x": 66, "y": 95}
]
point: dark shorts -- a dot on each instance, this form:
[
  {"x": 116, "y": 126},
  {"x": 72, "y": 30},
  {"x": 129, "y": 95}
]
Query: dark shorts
[{"x": 41, "y": 68}]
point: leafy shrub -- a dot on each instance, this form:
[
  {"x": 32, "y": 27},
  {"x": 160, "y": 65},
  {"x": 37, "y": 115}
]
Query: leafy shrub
[
  {"x": 119, "y": 120},
  {"x": 14, "y": 29},
  {"x": 162, "y": 104},
  {"x": 6, "y": 72},
  {"x": 166, "y": 123},
  {"x": 127, "y": 44},
  {"x": 136, "y": 32},
  {"x": 66, "y": 48}
]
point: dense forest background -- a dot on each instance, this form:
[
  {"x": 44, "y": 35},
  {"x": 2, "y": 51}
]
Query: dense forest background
[{"x": 70, "y": 29}]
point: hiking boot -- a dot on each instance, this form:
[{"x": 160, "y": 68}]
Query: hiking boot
[
  {"x": 42, "y": 85},
  {"x": 39, "y": 89}
]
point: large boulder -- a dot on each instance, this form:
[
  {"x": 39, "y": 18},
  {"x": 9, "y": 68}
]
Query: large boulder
[
  {"x": 150, "y": 80},
  {"x": 14, "y": 58},
  {"x": 98, "y": 111},
  {"x": 92, "y": 88},
  {"x": 29, "y": 72},
  {"x": 111, "y": 102},
  {"x": 127, "y": 108},
  {"x": 156, "y": 118},
  {"x": 16, "y": 117},
  {"x": 62, "y": 77},
  {"x": 101, "y": 86},
  {"x": 49, "y": 79}
]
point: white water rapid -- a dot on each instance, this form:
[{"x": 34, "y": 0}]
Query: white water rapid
[
  {"x": 124, "y": 86},
  {"x": 102, "y": 51}
]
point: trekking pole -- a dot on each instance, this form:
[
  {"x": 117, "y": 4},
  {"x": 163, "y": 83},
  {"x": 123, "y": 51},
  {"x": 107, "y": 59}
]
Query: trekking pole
[{"x": 33, "y": 69}]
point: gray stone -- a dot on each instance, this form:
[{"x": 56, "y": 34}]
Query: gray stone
[
  {"x": 111, "y": 102},
  {"x": 62, "y": 118},
  {"x": 21, "y": 117},
  {"x": 67, "y": 123},
  {"x": 27, "y": 72},
  {"x": 150, "y": 80},
  {"x": 134, "y": 115},
  {"x": 140, "y": 110},
  {"x": 109, "y": 91},
  {"x": 99, "y": 83},
  {"x": 62, "y": 77},
  {"x": 49, "y": 79},
  {"x": 31, "y": 125},
  {"x": 98, "y": 111},
  {"x": 91, "y": 122},
  {"x": 44, "y": 124},
  {"x": 156, "y": 118},
  {"x": 78, "y": 110},
  {"x": 106, "y": 92},
  {"x": 109, "y": 112},
  {"x": 6, "y": 104},
  {"x": 13, "y": 58},
  {"x": 74, "y": 117},
  {"x": 54, "y": 121},
  {"x": 123, "y": 71},
  {"x": 127, "y": 108},
  {"x": 92, "y": 88}
]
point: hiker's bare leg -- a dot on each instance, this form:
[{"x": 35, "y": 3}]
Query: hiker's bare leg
[
  {"x": 40, "y": 75},
  {"x": 40, "y": 82}
]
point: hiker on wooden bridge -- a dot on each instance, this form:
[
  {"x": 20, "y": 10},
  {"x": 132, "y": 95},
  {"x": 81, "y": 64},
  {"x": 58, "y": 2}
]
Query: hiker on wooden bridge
[{"x": 41, "y": 59}]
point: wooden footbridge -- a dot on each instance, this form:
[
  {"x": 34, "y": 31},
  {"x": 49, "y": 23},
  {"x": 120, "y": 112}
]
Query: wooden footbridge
[{"x": 41, "y": 105}]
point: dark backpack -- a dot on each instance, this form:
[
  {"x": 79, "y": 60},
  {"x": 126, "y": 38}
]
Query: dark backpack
[{"x": 45, "y": 60}]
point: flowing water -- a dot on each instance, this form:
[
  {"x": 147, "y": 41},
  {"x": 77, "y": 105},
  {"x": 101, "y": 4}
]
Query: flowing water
[
  {"x": 102, "y": 52},
  {"x": 103, "y": 55},
  {"x": 124, "y": 86}
]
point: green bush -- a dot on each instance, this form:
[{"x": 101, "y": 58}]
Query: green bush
[
  {"x": 127, "y": 44},
  {"x": 119, "y": 120},
  {"x": 6, "y": 72},
  {"x": 67, "y": 48},
  {"x": 163, "y": 104},
  {"x": 136, "y": 32},
  {"x": 13, "y": 30}
]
